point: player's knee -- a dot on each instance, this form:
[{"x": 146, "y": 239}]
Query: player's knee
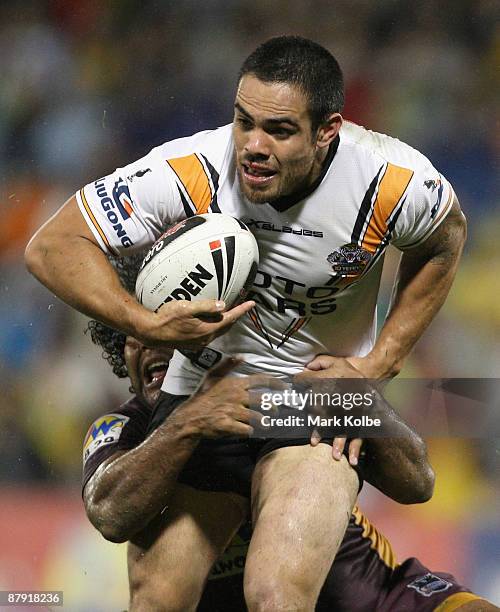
[{"x": 274, "y": 596}]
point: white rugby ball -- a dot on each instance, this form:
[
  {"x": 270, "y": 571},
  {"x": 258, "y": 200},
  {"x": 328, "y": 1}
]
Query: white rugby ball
[{"x": 207, "y": 256}]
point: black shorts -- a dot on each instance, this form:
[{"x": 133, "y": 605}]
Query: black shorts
[{"x": 226, "y": 464}]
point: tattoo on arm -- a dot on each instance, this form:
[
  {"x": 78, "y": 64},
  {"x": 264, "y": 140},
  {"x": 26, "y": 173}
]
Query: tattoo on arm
[{"x": 446, "y": 242}]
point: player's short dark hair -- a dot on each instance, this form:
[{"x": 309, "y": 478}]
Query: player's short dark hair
[
  {"x": 304, "y": 63},
  {"x": 111, "y": 340}
]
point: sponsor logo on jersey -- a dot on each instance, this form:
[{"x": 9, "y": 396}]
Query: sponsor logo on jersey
[
  {"x": 105, "y": 430},
  {"x": 284, "y": 229},
  {"x": 429, "y": 584},
  {"x": 349, "y": 261},
  {"x": 284, "y": 296},
  {"x": 121, "y": 202}
]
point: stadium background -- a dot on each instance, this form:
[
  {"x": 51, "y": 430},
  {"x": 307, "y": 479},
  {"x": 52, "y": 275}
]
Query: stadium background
[{"x": 86, "y": 86}]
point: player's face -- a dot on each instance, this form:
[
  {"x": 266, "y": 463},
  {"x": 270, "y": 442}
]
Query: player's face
[
  {"x": 276, "y": 152},
  {"x": 146, "y": 368}
]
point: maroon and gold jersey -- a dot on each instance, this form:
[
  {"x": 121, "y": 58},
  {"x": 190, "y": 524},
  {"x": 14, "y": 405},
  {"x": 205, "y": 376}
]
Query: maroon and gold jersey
[{"x": 364, "y": 577}]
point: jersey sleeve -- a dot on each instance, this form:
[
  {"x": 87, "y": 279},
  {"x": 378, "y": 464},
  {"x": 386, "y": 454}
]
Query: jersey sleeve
[
  {"x": 428, "y": 200},
  {"x": 130, "y": 208},
  {"x": 121, "y": 430}
]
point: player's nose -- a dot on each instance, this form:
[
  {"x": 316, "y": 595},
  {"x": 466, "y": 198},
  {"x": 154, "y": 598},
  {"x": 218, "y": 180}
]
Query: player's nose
[{"x": 257, "y": 144}]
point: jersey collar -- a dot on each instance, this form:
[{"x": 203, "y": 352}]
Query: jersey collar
[{"x": 286, "y": 202}]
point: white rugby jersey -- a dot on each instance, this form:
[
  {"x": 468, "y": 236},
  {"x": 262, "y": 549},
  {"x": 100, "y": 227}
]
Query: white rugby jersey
[{"x": 321, "y": 252}]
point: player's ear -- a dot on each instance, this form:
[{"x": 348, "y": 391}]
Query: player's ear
[{"x": 328, "y": 130}]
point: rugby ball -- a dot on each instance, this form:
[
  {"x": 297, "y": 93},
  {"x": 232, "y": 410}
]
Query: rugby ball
[{"x": 207, "y": 256}]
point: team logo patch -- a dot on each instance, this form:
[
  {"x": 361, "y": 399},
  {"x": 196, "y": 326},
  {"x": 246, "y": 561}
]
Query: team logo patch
[
  {"x": 349, "y": 261},
  {"x": 106, "y": 430},
  {"x": 429, "y": 584}
]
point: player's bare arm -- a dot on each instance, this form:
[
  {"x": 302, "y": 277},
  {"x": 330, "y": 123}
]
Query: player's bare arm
[
  {"x": 424, "y": 279},
  {"x": 130, "y": 489},
  {"x": 399, "y": 466},
  {"x": 425, "y": 276},
  {"x": 65, "y": 257}
]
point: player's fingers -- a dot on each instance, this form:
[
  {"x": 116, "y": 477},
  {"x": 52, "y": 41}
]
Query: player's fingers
[
  {"x": 315, "y": 438},
  {"x": 354, "y": 450},
  {"x": 201, "y": 307},
  {"x": 237, "y": 428},
  {"x": 338, "y": 448},
  {"x": 236, "y": 312},
  {"x": 247, "y": 415},
  {"x": 320, "y": 362}
]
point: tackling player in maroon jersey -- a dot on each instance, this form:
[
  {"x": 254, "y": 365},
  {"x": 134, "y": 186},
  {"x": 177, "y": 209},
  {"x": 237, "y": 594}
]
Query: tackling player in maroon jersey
[{"x": 126, "y": 489}]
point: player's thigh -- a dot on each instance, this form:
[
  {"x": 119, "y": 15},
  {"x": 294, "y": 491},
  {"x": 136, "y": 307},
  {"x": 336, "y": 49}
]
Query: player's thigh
[
  {"x": 301, "y": 503},
  {"x": 171, "y": 558}
]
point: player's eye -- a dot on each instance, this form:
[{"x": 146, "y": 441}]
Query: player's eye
[
  {"x": 280, "y": 132},
  {"x": 244, "y": 123}
]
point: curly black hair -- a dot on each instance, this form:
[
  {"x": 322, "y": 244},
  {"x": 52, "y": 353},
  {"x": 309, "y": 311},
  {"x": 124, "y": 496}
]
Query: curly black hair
[{"x": 111, "y": 340}]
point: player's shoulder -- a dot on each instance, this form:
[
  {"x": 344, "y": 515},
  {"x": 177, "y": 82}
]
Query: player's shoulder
[
  {"x": 112, "y": 423},
  {"x": 386, "y": 148},
  {"x": 130, "y": 420},
  {"x": 212, "y": 145}
]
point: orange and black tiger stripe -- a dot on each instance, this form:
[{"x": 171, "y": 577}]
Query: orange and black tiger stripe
[
  {"x": 380, "y": 207},
  {"x": 196, "y": 181}
]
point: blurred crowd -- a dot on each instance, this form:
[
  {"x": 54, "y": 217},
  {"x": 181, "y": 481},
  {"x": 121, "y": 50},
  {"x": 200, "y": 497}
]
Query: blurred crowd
[
  {"x": 86, "y": 86},
  {"x": 89, "y": 85}
]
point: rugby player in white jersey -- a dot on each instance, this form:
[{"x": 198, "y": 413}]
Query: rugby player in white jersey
[{"x": 323, "y": 201}]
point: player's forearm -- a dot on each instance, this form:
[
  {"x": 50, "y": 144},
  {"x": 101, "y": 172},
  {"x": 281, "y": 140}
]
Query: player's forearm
[
  {"x": 398, "y": 466},
  {"x": 63, "y": 256},
  {"x": 134, "y": 488},
  {"x": 424, "y": 279}
]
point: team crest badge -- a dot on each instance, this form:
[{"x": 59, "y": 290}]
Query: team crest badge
[
  {"x": 429, "y": 584},
  {"x": 349, "y": 261},
  {"x": 105, "y": 430}
]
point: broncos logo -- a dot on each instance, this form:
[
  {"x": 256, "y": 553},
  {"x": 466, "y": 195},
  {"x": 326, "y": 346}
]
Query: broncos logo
[{"x": 105, "y": 430}]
